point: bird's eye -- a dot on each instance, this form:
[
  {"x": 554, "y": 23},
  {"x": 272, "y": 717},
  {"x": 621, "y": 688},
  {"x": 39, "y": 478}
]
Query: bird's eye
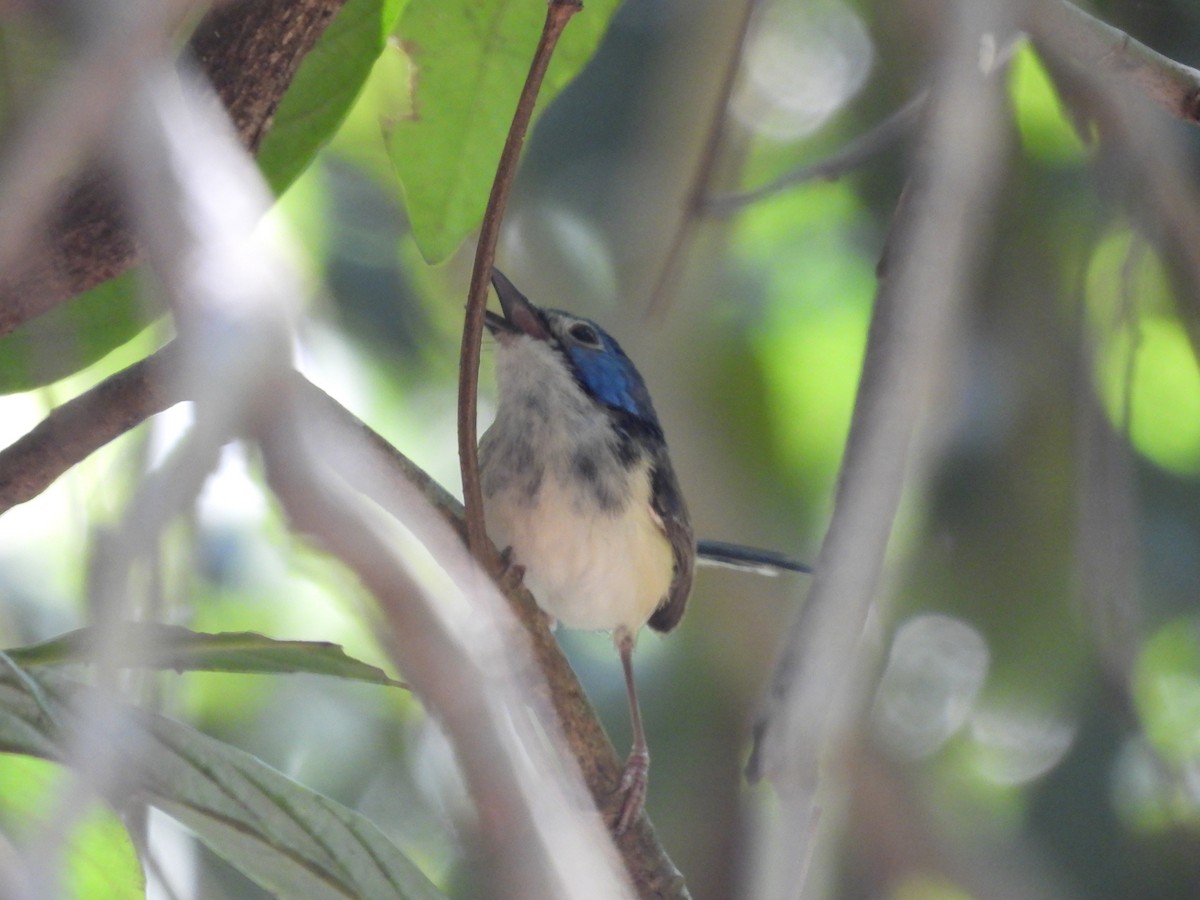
[{"x": 585, "y": 334}]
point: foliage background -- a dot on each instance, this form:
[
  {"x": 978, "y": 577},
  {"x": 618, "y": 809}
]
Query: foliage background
[{"x": 1046, "y": 728}]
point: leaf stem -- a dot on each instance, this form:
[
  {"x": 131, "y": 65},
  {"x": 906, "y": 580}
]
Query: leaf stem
[{"x": 558, "y": 14}]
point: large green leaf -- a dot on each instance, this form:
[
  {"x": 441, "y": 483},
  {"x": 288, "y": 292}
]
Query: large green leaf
[
  {"x": 324, "y": 87},
  {"x": 144, "y": 645},
  {"x": 470, "y": 59},
  {"x": 287, "y": 838},
  {"x": 73, "y": 334}
]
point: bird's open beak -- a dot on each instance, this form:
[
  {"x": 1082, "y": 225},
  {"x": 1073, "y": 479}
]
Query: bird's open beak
[{"x": 520, "y": 316}]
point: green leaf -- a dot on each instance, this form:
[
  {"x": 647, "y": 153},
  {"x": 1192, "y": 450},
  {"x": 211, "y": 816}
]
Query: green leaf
[
  {"x": 100, "y": 862},
  {"x": 1166, "y": 689},
  {"x": 292, "y": 841},
  {"x": 150, "y": 646},
  {"x": 470, "y": 59},
  {"x": 325, "y": 87},
  {"x": 73, "y": 335}
]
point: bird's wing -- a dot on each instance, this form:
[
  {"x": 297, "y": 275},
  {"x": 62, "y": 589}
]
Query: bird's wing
[{"x": 672, "y": 516}]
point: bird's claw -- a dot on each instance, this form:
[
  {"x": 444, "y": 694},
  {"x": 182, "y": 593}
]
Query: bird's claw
[
  {"x": 511, "y": 573},
  {"x": 634, "y": 780}
]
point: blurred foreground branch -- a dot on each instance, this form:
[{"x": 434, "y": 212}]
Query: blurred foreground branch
[
  {"x": 248, "y": 51},
  {"x": 73, "y": 431},
  {"x": 931, "y": 251}
]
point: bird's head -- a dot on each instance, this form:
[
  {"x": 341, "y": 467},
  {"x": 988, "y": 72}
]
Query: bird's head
[{"x": 595, "y": 360}]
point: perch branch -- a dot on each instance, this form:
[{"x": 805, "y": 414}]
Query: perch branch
[{"x": 86, "y": 423}]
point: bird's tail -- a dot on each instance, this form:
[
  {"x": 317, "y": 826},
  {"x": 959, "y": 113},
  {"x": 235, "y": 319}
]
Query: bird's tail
[{"x": 747, "y": 559}]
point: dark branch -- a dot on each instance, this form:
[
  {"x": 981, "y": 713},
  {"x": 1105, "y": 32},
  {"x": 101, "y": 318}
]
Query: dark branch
[
  {"x": 79, "y": 427},
  {"x": 856, "y": 153}
]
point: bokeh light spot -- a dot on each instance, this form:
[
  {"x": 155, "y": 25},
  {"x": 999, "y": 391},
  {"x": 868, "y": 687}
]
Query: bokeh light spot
[
  {"x": 802, "y": 65},
  {"x": 934, "y": 673}
]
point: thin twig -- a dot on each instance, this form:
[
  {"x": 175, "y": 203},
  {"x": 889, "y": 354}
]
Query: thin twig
[
  {"x": 705, "y": 166},
  {"x": 558, "y": 14},
  {"x": 854, "y": 154}
]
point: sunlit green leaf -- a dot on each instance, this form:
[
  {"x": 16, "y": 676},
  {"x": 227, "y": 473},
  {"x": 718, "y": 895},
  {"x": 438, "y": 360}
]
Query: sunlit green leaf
[
  {"x": 470, "y": 60},
  {"x": 1167, "y": 690},
  {"x": 170, "y": 647},
  {"x": 73, "y": 335},
  {"x": 325, "y": 87},
  {"x": 290, "y": 840},
  {"x": 1163, "y": 384},
  {"x": 100, "y": 862},
  {"x": 818, "y": 287},
  {"x": 1045, "y": 131},
  {"x": 1146, "y": 373}
]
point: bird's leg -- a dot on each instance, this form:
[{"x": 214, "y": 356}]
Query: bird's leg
[{"x": 637, "y": 767}]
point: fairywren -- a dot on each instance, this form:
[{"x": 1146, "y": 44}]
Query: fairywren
[{"x": 578, "y": 485}]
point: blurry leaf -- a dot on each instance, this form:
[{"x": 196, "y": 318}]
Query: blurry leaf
[
  {"x": 79, "y": 332},
  {"x": 288, "y": 839},
  {"x": 1163, "y": 386},
  {"x": 470, "y": 59},
  {"x": 100, "y": 862},
  {"x": 325, "y": 87},
  {"x": 386, "y": 99},
  {"x": 171, "y": 647},
  {"x": 927, "y": 886},
  {"x": 1045, "y": 131},
  {"x": 1167, "y": 690},
  {"x": 818, "y": 284},
  {"x": 73, "y": 335}
]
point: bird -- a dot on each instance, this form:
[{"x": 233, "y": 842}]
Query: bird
[{"x": 579, "y": 492}]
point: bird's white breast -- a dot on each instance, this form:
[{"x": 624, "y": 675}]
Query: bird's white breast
[{"x": 594, "y": 552}]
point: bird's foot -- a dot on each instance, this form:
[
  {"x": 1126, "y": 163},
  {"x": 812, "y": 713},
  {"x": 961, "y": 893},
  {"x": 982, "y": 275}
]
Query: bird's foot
[
  {"x": 634, "y": 780},
  {"x": 511, "y": 573}
]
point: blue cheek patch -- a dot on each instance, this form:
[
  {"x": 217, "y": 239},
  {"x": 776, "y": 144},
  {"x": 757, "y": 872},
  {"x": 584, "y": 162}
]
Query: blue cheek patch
[{"x": 610, "y": 377}]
